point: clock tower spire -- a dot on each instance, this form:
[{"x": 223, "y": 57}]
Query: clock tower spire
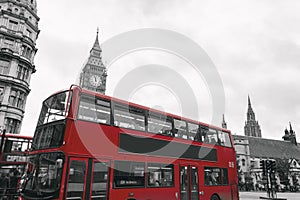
[{"x": 93, "y": 75}]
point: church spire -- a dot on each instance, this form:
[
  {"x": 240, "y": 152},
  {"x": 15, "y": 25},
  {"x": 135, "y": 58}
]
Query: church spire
[
  {"x": 292, "y": 135},
  {"x": 249, "y": 102},
  {"x": 252, "y": 127},
  {"x": 250, "y": 113}
]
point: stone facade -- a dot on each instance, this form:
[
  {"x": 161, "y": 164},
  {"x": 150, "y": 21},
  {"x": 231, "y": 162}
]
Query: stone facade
[
  {"x": 18, "y": 34},
  {"x": 250, "y": 150}
]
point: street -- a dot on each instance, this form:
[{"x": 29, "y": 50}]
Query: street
[{"x": 256, "y": 195}]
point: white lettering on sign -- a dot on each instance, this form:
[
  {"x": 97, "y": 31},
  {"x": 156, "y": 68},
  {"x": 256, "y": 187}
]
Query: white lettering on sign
[{"x": 11, "y": 158}]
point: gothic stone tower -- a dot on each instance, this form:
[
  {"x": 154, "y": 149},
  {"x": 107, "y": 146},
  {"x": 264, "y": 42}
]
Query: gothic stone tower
[
  {"x": 252, "y": 127},
  {"x": 18, "y": 35},
  {"x": 93, "y": 75},
  {"x": 290, "y": 135}
]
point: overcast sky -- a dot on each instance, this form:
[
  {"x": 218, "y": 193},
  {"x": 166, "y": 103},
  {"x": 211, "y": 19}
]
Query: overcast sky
[{"x": 254, "y": 46}]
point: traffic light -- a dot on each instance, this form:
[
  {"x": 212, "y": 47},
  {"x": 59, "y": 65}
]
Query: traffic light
[
  {"x": 269, "y": 163},
  {"x": 273, "y": 165},
  {"x": 263, "y": 166}
]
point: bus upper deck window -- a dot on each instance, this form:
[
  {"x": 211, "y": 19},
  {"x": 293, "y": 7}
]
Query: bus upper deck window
[{"x": 94, "y": 109}]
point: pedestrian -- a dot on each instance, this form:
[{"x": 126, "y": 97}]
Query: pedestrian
[
  {"x": 13, "y": 184},
  {"x": 3, "y": 185}
]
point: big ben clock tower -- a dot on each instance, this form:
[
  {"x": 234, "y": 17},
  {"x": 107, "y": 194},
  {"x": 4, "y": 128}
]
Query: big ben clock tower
[{"x": 93, "y": 75}]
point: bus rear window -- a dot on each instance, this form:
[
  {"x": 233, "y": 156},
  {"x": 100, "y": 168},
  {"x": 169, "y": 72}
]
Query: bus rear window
[{"x": 224, "y": 139}]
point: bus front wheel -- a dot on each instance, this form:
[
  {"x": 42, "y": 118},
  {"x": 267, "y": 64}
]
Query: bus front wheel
[{"x": 214, "y": 197}]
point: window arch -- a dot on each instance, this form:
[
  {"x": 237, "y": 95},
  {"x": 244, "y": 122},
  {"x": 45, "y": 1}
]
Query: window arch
[{"x": 243, "y": 162}]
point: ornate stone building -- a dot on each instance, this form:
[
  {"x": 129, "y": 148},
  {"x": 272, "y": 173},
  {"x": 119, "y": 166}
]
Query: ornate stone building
[
  {"x": 18, "y": 34},
  {"x": 252, "y": 148},
  {"x": 93, "y": 75},
  {"x": 252, "y": 127}
]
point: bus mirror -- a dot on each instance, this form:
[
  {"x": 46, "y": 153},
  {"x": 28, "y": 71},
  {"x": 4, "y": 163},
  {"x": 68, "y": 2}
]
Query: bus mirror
[{"x": 59, "y": 163}]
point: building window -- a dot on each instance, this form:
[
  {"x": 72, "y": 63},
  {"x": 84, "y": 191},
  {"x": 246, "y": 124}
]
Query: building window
[
  {"x": 1, "y": 94},
  {"x": 8, "y": 43},
  {"x": 22, "y": 73},
  {"x": 13, "y": 98},
  {"x": 21, "y": 100},
  {"x": 243, "y": 162},
  {"x": 13, "y": 25},
  {"x": 26, "y": 51},
  {"x": 17, "y": 99},
  {"x": 12, "y": 125},
  {"x": 28, "y": 33},
  {"x": 4, "y": 67}
]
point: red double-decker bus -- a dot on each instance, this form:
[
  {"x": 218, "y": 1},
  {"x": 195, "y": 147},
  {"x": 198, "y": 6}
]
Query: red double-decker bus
[
  {"x": 14, "y": 149},
  {"x": 91, "y": 146}
]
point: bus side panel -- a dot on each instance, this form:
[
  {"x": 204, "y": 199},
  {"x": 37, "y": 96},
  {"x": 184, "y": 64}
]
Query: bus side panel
[
  {"x": 235, "y": 192},
  {"x": 143, "y": 194}
]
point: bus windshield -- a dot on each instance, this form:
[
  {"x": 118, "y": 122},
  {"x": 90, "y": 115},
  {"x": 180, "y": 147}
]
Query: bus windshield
[
  {"x": 43, "y": 175},
  {"x": 54, "y": 108},
  {"x": 50, "y": 129}
]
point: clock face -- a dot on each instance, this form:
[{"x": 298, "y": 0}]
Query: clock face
[{"x": 95, "y": 80}]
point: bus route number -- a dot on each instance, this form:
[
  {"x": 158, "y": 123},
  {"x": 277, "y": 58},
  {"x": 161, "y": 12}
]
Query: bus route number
[{"x": 231, "y": 164}]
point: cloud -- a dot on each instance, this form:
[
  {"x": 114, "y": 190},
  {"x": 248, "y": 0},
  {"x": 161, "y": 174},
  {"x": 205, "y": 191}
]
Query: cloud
[{"x": 254, "y": 45}]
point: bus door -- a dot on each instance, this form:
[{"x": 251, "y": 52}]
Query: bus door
[
  {"x": 88, "y": 179},
  {"x": 99, "y": 173},
  {"x": 76, "y": 185},
  {"x": 189, "y": 182}
]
